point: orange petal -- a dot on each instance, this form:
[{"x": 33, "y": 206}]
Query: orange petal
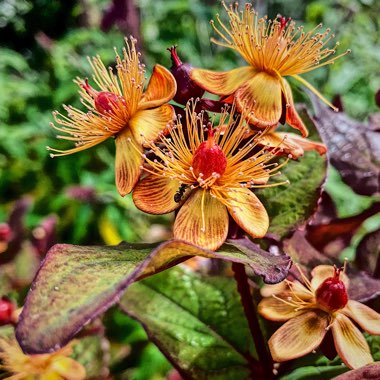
[
  {"x": 364, "y": 316},
  {"x": 261, "y": 99},
  {"x": 304, "y": 143},
  {"x": 161, "y": 88},
  {"x": 281, "y": 140},
  {"x": 128, "y": 162},
  {"x": 222, "y": 83},
  {"x": 298, "y": 336},
  {"x": 147, "y": 124},
  {"x": 289, "y": 288},
  {"x": 322, "y": 272},
  {"x": 269, "y": 289},
  {"x": 350, "y": 343},
  {"x": 247, "y": 211},
  {"x": 275, "y": 310},
  {"x": 69, "y": 369},
  {"x": 155, "y": 195},
  {"x": 292, "y": 117},
  {"x": 202, "y": 220}
]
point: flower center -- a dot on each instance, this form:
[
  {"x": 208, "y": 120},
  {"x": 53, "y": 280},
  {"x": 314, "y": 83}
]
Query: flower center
[
  {"x": 209, "y": 161},
  {"x": 332, "y": 293},
  {"x": 105, "y": 102}
]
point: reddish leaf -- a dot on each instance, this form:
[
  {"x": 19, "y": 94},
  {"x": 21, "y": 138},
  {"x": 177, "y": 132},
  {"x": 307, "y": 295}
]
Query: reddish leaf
[
  {"x": 370, "y": 371},
  {"x": 368, "y": 253},
  {"x": 353, "y": 148}
]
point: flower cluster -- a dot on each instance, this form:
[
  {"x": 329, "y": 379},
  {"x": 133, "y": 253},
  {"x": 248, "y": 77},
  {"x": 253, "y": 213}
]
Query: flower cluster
[{"x": 206, "y": 170}]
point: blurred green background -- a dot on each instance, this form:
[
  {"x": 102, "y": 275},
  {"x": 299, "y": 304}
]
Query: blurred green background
[{"x": 43, "y": 47}]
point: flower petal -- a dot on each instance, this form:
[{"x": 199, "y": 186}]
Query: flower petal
[
  {"x": 128, "y": 162},
  {"x": 247, "y": 211},
  {"x": 350, "y": 343},
  {"x": 155, "y": 195},
  {"x": 161, "y": 88},
  {"x": 202, "y": 220},
  {"x": 298, "y": 336},
  {"x": 69, "y": 369},
  {"x": 304, "y": 143},
  {"x": 261, "y": 99},
  {"x": 275, "y": 310},
  {"x": 147, "y": 124},
  {"x": 282, "y": 140},
  {"x": 292, "y": 117},
  {"x": 222, "y": 83},
  {"x": 321, "y": 272},
  {"x": 364, "y": 316}
]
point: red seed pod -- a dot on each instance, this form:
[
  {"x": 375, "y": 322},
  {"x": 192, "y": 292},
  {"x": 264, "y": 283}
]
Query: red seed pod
[
  {"x": 186, "y": 88},
  {"x": 209, "y": 158},
  {"x": 332, "y": 293},
  {"x": 6, "y": 311},
  {"x": 105, "y": 102},
  {"x": 5, "y": 232}
]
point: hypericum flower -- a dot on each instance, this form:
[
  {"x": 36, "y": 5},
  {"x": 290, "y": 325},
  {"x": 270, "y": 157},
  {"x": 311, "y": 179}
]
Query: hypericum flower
[
  {"x": 208, "y": 179},
  {"x": 57, "y": 365},
  {"x": 311, "y": 310},
  {"x": 274, "y": 49},
  {"x": 121, "y": 110}
]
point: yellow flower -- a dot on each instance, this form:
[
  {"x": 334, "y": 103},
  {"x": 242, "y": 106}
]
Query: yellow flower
[
  {"x": 55, "y": 366},
  {"x": 121, "y": 109},
  {"x": 311, "y": 310},
  {"x": 274, "y": 49},
  {"x": 208, "y": 178}
]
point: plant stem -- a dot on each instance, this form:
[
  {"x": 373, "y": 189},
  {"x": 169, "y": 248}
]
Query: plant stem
[{"x": 253, "y": 321}]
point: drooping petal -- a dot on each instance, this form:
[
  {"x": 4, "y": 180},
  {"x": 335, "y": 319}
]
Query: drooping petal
[
  {"x": 127, "y": 162},
  {"x": 155, "y": 194},
  {"x": 321, "y": 272},
  {"x": 292, "y": 117},
  {"x": 281, "y": 140},
  {"x": 350, "y": 343},
  {"x": 304, "y": 143},
  {"x": 364, "y": 316},
  {"x": 298, "y": 336},
  {"x": 247, "y": 211},
  {"x": 161, "y": 88},
  {"x": 261, "y": 98},
  {"x": 69, "y": 369},
  {"x": 222, "y": 83},
  {"x": 275, "y": 310},
  {"x": 202, "y": 220},
  {"x": 147, "y": 124}
]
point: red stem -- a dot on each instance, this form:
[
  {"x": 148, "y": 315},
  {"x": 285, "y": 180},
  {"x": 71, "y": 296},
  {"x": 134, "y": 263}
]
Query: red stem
[{"x": 253, "y": 322}]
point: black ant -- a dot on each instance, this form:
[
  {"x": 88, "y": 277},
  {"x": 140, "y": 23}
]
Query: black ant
[{"x": 180, "y": 193}]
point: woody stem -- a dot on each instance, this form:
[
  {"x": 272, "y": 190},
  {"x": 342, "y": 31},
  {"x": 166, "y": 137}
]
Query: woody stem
[{"x": 250, "y": 311}]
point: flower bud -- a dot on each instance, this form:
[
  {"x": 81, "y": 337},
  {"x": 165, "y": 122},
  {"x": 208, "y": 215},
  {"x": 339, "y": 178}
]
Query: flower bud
[
  {"x": 186, "y": 88},
  {"x": 105, "y": 102},
  {"x": 6, "y": 311},
  {"x": 332, "y": 293},
  {"x": 209, "y": 159}
]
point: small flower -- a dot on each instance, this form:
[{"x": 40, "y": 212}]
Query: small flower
[
  {"x": 57, "y": 365},
  {"x": 311, "y": 310},
  {"x": 121, "y": 110},
  {"x": 207, "y": 178},
  {"x": 274, "y": 49}
]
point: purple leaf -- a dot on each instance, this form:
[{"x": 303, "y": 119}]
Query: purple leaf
[{"x": 353, "y": 148}]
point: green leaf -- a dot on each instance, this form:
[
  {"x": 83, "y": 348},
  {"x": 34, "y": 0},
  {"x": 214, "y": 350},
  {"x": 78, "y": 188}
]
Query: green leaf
[
  {"x": 76, "y": 284},
  {"x": 291, "y": 205},
  {"x": 315, "y": 373},
  {"x": 196, "y": 321},
  {"x": 90, "y": 352}
]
